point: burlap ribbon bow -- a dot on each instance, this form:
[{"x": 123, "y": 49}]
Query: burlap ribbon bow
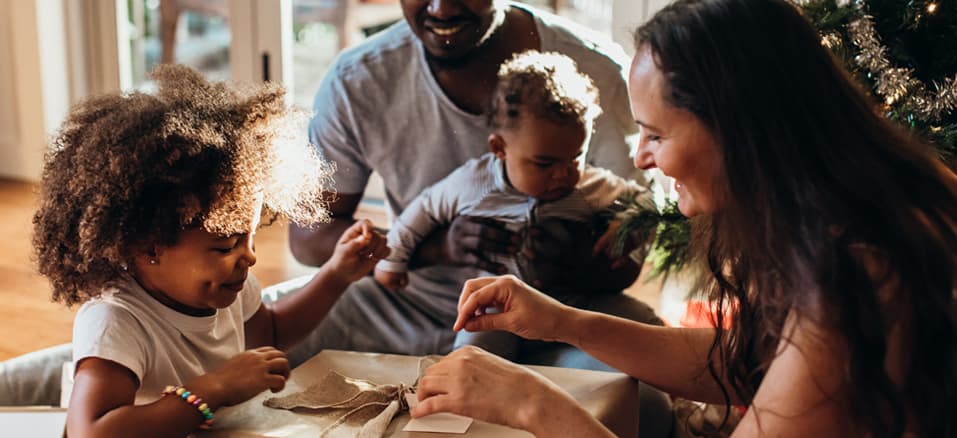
[{"x": 356, "y": 407}]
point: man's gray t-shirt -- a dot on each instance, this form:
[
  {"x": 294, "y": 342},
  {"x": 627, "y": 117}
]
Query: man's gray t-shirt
[{"x": 380, "y": 108}]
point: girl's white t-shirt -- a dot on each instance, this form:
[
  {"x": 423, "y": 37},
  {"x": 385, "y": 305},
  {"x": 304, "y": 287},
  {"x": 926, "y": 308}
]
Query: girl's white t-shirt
[{"x": 158, "y": 344}]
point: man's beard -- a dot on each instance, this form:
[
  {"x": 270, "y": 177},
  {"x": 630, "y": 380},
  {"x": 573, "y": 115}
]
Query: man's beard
[{"x": 453, "y": 63}]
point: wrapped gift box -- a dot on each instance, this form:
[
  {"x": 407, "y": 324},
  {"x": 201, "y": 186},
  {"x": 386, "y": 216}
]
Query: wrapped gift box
[{"x": 610, "y": 397}]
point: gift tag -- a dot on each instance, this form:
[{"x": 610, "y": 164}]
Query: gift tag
[{"x": 442, "y": 422}]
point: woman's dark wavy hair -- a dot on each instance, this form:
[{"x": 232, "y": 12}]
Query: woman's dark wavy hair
[{"x": 814, "y": 174}]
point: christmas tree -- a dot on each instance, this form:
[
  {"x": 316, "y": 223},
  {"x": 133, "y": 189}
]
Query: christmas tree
[{"x": 903, "y": 52}]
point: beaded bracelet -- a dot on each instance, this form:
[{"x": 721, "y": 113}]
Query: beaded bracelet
[{"x": 194, "y": 400}]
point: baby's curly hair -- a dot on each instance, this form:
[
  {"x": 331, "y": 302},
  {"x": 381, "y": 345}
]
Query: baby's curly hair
[
  {"x": 131, "y": 171},
  {"x": 548, "y": 85}
]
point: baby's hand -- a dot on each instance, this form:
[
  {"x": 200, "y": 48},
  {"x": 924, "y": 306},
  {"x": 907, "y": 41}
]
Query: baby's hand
[
  {"x": 392, "y": 281},
  {"x": 358, "y": 250},
  {"x": 247, "y": 374}
]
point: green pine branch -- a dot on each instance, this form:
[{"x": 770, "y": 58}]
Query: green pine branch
[{"x": 661, "y": 234}]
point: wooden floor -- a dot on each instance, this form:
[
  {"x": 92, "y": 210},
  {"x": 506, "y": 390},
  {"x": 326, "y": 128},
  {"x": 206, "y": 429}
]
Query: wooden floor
[{"x": 29, "y": 320}]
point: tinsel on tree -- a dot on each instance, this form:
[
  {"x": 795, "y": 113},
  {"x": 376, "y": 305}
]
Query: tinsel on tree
[{"x": 903, "y": 52}]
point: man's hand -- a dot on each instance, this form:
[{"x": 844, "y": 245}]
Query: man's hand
[
  {"x": 559, "y": 257},
  {"x": 468, "y": 241}
]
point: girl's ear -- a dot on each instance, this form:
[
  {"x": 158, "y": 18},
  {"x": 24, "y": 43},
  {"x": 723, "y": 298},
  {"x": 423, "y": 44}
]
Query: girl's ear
[
  {"x": 496, "y": 144},
  {"x": 147, "y": 255}
]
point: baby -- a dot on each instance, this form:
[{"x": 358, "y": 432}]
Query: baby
[
  {"x": 541, "y": 116},
  {"x": 149, "y": 206}
]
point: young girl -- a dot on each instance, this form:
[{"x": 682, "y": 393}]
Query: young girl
[{"x": 149, "y": 209}]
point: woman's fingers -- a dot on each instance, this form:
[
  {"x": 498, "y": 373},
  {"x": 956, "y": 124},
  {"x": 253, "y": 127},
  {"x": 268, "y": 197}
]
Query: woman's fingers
[
  {"x": 474, "y": 383},
  {"x": 432, "y": 405},
  {"x": 486, "y": 322},
  {"x": 441, "y": 383},
  {"x": 431, "y": 385},
  {"x": 471, "y": 286},
  {"x": 491, "y": 293}
]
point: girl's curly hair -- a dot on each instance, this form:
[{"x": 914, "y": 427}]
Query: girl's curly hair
[
  {"x": 548, "y": 85},
  {"x": 127, "y": 172}
]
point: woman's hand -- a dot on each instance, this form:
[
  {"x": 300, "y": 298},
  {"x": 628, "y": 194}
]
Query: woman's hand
[
  {"x": 519, "y": 309},
  {"x": 480, "y": 385},
  {"x": 357, "y": 251}
]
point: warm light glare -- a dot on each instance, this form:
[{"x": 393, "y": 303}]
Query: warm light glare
[
  {"x": 299, "y": 175},
  {"x": 931, "y": 8}
]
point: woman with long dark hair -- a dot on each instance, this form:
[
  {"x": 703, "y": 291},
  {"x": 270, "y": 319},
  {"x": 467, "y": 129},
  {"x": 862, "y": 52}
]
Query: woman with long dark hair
[{"x": 828, "y": 237}]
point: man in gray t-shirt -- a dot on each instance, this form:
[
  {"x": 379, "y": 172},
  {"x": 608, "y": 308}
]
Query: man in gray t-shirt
[{"x": 409, "y": 103}]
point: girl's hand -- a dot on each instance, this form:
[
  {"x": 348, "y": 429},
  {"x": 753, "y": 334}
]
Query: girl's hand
[
  {"x": 478, "y": 384},
  {"x": 357, "y": 251},
  {"x": 245, "y": 375},
  {"x": 520, "y": 309}
]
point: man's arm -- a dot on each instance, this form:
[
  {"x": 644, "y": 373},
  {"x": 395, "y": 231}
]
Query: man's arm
[{"x": 313, "y": 246}]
